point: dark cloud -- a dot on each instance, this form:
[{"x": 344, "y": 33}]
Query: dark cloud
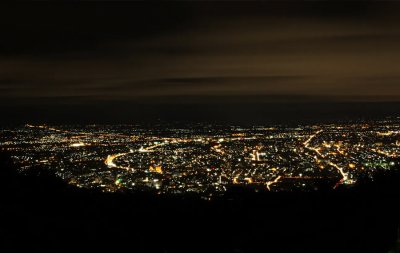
[
  {"x": 156, "y": 54},
  {"x": 216, "y": 82},
  {"x": 227, "y": 79}
]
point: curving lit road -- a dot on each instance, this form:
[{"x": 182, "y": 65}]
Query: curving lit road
[
  {"x": 269, "y": 183},
  {"x": 344, "y": 175},
  {"x": 110, "y": 158}
]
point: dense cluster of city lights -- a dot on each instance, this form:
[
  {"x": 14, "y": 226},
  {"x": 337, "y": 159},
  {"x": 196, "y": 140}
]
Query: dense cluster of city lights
[{"x": 205, "y": 159}]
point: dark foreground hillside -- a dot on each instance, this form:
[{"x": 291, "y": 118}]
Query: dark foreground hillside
[{"x": 39, "y": 213}]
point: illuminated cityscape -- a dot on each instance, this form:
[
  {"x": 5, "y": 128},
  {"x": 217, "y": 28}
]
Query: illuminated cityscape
[
  {"x": 206, "y": 159},
  {"x": 200, "y": 126}
]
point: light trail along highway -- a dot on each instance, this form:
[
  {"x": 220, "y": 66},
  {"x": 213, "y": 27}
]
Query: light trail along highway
[{"x": 306, "y": 144}]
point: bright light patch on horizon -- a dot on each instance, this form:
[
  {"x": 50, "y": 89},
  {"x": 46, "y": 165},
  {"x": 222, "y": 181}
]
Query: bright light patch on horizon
[{"x": 79, "y": 144}]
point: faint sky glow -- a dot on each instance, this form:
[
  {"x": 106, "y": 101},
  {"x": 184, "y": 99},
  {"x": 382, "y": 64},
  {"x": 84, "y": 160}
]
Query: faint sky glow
[{"x": 339, "y": 52}]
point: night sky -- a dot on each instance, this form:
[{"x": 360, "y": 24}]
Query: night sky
[{"x": 227, "y": 61}]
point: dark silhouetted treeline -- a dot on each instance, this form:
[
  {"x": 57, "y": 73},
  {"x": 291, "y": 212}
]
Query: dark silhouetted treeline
[{"x": 41, "y": 213}]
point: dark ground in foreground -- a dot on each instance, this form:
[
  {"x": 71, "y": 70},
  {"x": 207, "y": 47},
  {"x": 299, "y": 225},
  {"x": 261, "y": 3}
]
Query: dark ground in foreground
[{"x": 39, "y": 213}]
